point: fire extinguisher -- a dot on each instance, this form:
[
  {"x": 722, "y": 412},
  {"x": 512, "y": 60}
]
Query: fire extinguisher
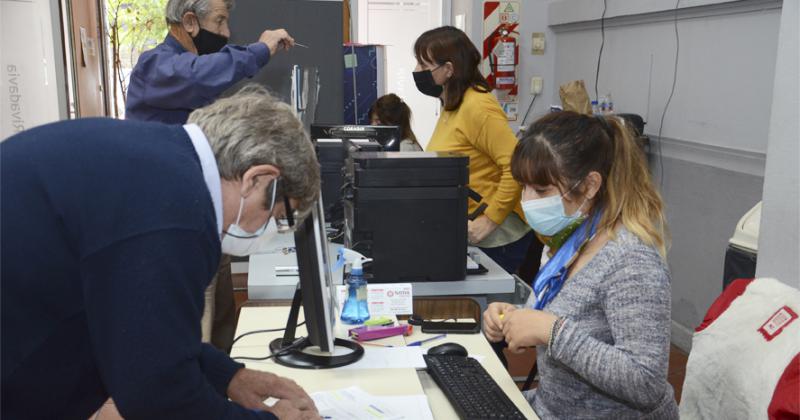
[{"x": 504, "y": 60}]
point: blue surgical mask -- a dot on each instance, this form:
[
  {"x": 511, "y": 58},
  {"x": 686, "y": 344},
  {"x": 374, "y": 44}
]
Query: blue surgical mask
[{"x": 547, "y": 215}]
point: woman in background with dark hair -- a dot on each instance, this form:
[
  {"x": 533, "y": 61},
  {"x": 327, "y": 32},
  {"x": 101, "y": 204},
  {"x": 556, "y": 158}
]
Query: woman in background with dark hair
[
  {"x": 473, "y": 123},
  {"x": 391, "y": 110},
  {"x": 600, "y": 316}
]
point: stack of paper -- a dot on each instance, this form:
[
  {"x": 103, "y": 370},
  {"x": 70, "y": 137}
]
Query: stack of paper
[
  {"x": 390, "y": 358},
  {"x": 355, "y": 404}
]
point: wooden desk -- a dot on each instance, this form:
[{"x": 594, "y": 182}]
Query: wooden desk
[{"x": 375, "y": 381}]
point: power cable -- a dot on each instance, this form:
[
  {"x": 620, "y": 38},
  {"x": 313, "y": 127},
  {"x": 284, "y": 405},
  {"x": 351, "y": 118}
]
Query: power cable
[
  {"x": 600, "y": 54},
  {"x": 669, "y": 99}
]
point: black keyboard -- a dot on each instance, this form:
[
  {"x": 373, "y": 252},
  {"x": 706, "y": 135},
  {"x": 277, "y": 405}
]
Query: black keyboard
[{"x": 470, "y": 389}]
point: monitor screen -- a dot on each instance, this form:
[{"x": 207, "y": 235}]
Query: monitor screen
[{"x": 316, "y": 282}]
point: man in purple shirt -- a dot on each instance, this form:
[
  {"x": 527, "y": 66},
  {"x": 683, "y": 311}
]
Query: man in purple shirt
[{"x": 194, "y": 65}]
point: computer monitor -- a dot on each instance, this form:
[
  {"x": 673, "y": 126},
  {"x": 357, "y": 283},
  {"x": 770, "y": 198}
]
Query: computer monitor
[
  {"x": 317, "y": 295},
  {"x": 313, "y": 263}
]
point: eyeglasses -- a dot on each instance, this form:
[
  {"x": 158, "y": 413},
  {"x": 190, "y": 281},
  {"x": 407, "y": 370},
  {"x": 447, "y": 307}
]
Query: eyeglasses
[{"x": 286, "y": 221}]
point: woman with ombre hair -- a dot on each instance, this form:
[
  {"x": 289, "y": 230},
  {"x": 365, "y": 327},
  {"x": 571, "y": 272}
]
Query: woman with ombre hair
[{"x": 600, "y": 312}]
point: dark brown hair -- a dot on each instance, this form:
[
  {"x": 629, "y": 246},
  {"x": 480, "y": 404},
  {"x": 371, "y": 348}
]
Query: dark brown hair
[
  {"x": 447, "y": 43},
  {"x": 391, "y": 110},
  {"x": 562, "y": 148}
]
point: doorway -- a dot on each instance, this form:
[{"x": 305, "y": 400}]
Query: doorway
[{"x": 397, "y": 24}]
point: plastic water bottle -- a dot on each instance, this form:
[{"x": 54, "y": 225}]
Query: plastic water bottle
[
  {"x": 609, "y": 104},
  {"x": 356, "y": 307},
  {"x": 595, "y": 108}
]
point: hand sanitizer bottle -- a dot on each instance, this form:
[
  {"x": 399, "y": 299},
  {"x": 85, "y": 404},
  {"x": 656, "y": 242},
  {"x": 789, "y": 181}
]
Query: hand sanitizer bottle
[{"x": 356, "y": 307}]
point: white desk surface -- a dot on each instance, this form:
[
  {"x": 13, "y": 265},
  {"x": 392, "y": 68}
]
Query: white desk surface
[
  {"x": 263, "y": 284},
  {"x": 387, "y": 382}
]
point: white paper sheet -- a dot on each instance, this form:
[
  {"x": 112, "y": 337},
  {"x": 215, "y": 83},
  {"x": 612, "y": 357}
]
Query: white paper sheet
[
  {"x": 356, "y": 404},
  {"x": 390, "y": 358}
]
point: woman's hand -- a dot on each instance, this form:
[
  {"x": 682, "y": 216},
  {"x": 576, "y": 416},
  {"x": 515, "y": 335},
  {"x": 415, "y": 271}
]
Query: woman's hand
[
  {"x": 480, "y": 228},
  {"x": 493, "y": 320},
  {"x": 527, "y": 328}
]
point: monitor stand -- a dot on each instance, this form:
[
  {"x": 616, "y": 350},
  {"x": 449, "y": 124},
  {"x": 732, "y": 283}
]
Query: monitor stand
[{"x": 289, "y": 351}]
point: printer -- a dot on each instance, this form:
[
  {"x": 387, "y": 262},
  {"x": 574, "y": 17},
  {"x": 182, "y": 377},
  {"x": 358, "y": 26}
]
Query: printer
[
  {"x": 408, "y": 212},
  {"x": 333, "y": 144}
]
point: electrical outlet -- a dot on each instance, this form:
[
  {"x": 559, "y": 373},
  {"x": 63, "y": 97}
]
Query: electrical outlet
[
  {"x": 536, "y": 85},
  {"x": 537, "y": 44}
]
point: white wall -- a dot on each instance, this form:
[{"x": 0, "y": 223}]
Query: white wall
[
  {"x": 780, "y": 218},
  {"x": 32, "y": 81}
]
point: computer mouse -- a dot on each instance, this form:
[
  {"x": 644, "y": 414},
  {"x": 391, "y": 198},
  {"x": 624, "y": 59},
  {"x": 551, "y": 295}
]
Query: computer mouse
[{"x": 448, "y": 349}]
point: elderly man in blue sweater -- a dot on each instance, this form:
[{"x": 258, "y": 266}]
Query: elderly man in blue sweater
[
  {"x": 195, "y": 64},
  {"x": 111, "y": 231}
]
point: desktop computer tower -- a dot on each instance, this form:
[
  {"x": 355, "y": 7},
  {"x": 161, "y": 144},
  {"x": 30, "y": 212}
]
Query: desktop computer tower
[
  {"x": 334, "y": 143},
  {"x": 408, "y": 211},
  {"x": 332, "y": 156}
]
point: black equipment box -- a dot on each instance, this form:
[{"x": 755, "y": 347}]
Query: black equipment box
[
  {"x": 334, "y": 143},
  {"x": 408, "y": 211}
]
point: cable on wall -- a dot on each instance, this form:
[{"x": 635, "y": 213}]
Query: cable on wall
[
  {"x": 600, "y": 54},
  {"x": 530, "y": 107},
  {"x": 669, "y": 99}
]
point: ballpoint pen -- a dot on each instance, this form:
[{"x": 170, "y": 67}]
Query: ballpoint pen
[
  {"x": 420, "y": 342},
  {"x": 374, "y": 344}
]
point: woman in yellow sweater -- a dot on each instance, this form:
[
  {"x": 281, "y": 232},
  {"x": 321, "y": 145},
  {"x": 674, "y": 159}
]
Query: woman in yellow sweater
[{"x": 473, "y": 123}]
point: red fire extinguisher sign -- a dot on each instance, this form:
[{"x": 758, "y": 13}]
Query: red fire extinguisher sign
[{"x": 501, "y": 52}]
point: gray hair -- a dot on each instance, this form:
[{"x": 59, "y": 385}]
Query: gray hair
[
  {"x": 177, "y": 8},
  {"x": 251, "y": 128}
]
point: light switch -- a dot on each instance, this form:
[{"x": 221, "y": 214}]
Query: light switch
[
  {"x": 536, "y": 85},
  {"x": 537, "y": 46}
]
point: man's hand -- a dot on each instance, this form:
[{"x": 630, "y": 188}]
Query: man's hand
[
  {"x": 527, "y": 328},
  {"x": 285, "y": 410},
  {"x": 480, "y": 228},
  {"x": 493, "y": 320},
  {"x": 276, "y": 40},
  {"x": 249, "y": 388}
]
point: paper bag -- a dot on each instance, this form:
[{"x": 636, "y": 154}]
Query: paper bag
[{"x": 574, "y": 97}]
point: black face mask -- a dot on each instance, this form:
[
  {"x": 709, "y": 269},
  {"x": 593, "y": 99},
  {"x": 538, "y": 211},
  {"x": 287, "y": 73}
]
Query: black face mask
[
  {"x": 208, "y": 42},
  {"x": 425, "y": 83}
]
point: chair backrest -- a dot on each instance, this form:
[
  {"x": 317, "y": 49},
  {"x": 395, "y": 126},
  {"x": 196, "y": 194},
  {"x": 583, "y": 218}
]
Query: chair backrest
[
  {"x": 446, "y": 307},
  {"x": 745, "y": 354}
]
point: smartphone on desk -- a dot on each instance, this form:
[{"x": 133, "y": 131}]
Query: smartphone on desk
[{"x": 447, "y": 327}]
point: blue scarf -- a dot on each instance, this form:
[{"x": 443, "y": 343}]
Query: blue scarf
[{"x": 552, "y": 276}]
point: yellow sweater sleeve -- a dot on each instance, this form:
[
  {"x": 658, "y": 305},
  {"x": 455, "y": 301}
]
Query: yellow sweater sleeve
[{"x": 496, "y": 140}]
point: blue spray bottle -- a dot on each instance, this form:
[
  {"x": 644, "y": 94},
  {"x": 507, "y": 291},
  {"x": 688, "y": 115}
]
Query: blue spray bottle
[{"x": 356, "y": 307}]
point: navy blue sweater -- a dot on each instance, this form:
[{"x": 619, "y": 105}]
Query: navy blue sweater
[{"x": 109, "y": 239}]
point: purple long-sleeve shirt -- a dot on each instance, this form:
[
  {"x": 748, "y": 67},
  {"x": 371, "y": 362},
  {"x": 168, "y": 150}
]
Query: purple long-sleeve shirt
[{"x": 169, "y": 82}]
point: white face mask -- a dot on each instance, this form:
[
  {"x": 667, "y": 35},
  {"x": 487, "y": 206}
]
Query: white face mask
[
  {"x": 244, "y": 247},
  {"x": 239, "y": 242}
]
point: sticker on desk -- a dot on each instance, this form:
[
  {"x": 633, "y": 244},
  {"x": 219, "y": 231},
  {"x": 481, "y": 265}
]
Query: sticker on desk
[{"x": 384, "y": 299}]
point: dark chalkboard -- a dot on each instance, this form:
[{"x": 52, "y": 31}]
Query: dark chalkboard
[{"x": 317, "y": 24}]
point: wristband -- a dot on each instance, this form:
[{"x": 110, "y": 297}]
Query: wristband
[{"x": 553, "y": 332}]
